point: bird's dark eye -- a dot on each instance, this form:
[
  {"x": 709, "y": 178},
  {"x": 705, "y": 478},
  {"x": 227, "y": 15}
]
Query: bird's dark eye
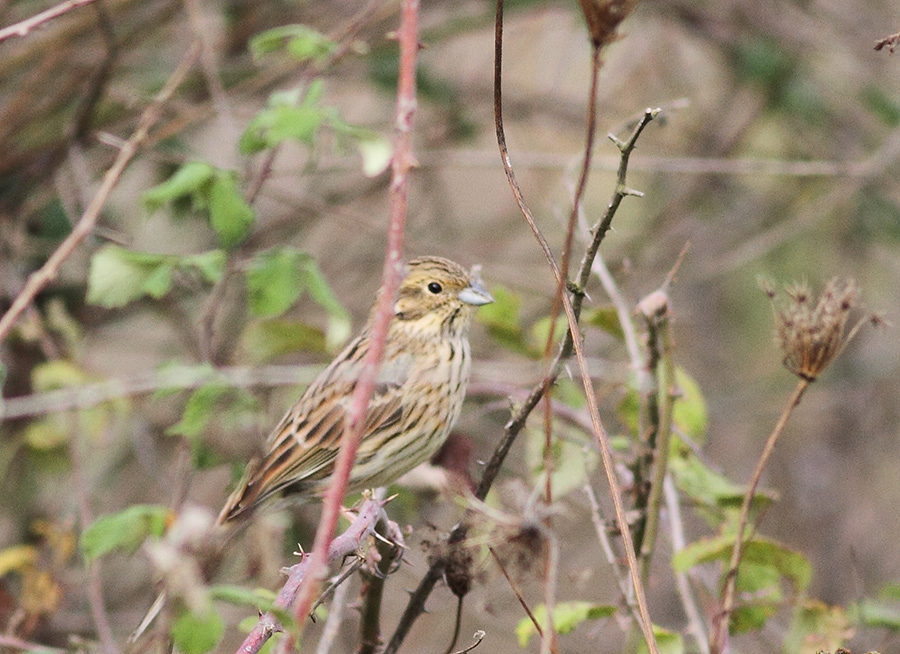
[{"x": 435, "y": 288}]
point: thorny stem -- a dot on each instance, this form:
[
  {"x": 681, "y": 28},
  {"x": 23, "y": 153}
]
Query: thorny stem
[
  {"x": 719, "y": 629},
  {"x": 370, "y": 514},
  {"x": 401, "y": 164}
]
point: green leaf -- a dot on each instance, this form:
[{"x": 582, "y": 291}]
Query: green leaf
[
  {"x": 668, "y": 642},
  {"x": 276, "y": 279},
  {"x": 196, "y": 633},
  {"x": 198, "y": 411},
  {"x": 714, "y": 495},
  {"x": 503, "y": 319},
  {"x": 258, "y": 598},
  {"x": 817, "y": 627},
  {"x": 267, "y": 339},
  {"x": 877, "y": 613},
  {"x": 210, "y": 265},
  {"x": 118, "y": 276},
  {"x": 125, "y": 530},
  {"x": 689, "y": 412},
  {"x": 566, "y": 617},
  {"x": 318, "y": 288},
  {"x": 187, "y": 180},
  {"x": 229, "y": 214},
  {"x": 540, "y": 330},
  {"x": 572, "y": 461},
  {"x": 607, "y": 319},
  {"x": 274, "y": 282},
  {"x": 790, "y": 564},
  {"x": 302, "y": 42},
  {"x": 280, "y": 122}
]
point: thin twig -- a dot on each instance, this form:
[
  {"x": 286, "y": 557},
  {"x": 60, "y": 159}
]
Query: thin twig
[
  {"x": 682, "y": 582},
  {"x": 48, "y": 272},
  {"x": 416, "y": 604},
  {"x": 517, "y": 593},
  {"x": 572, "y": 317},
  {"x": 655, "y": 309},
  {"x": 402, "y": 162},
  {"x": 24, "y": 27},
  {"x": 335, "y": 618},
  {"x": 373, "y": 592},
  {"x": 719, "y": 629}
]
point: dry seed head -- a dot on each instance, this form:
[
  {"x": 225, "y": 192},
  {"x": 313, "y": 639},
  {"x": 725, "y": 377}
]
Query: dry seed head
[
  {"x": 603, "y": 18},
  {"x": 810, "y": 332}
]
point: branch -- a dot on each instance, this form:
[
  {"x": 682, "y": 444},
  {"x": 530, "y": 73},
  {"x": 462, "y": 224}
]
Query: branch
[
  {"x": 371, "y": 513},
  {"x": 416, "y": 605},
  {"x": 47, "y": 273},
  {"x": 23, "y": 28},
  {"x": 402, "y": 162},
  {"x": 389, "y": 553},
  {"x": 719, "y": 629}
]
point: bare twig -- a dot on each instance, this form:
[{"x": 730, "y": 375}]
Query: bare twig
[
  {"x": 23, "y": 28},
  {"x": 47, "y": 273},
  {"x": 655, "y": 310},
  {"x": 517, "y": 593},
  {"x": 572, "y": 316},
  {"x": 408, "y": 36},
  {"x": 335, "y": 618},
  {"x": 889, "y": 42},
  {"x": 719, "y": 629},
  {"x": 682, "y": 582}
]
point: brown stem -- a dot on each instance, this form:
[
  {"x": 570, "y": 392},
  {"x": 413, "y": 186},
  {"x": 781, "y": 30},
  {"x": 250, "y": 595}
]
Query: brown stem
[
  {"x": 599, "y": 430},
  {"x": 22, "y": 28},
  {"x": 719, "y": 629},
  {"x": 373, "y": 591}
]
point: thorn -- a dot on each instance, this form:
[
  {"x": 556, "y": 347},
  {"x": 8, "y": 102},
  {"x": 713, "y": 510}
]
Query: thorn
[
  {"x": 619, "y": 143},
  {"x": 624, "y": 190}
]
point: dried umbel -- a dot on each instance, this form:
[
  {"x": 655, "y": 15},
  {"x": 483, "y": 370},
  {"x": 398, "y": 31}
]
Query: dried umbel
[
  {"x": 811, "y": 331},
  {"x": 603, "y": 18}
]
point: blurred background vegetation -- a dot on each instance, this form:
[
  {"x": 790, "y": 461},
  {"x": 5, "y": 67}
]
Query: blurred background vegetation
[{"x": 778, "y": 156}]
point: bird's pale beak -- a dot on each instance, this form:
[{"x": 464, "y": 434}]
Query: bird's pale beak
[{"x": 475, "y": 294}]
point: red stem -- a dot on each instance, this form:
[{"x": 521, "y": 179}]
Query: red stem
[{"x": 390, "y": 281}]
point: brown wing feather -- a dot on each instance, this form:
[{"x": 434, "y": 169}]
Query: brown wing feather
[{"x": 303, "y": 447}]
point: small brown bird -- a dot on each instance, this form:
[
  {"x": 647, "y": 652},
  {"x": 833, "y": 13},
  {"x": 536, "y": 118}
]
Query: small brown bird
[{"x": 417, "y": 399}]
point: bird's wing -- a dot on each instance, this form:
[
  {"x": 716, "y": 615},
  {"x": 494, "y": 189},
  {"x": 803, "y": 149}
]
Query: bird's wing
[{"x": 303, "y": 447}]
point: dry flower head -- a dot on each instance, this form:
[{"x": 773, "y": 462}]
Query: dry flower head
[
  {"x": 603, "y": 18},
  {"x": 812, "y": 332}
]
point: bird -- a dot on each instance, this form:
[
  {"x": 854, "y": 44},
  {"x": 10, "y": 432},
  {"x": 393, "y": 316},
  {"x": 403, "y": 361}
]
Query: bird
[{"x": 417, "y": 399}]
